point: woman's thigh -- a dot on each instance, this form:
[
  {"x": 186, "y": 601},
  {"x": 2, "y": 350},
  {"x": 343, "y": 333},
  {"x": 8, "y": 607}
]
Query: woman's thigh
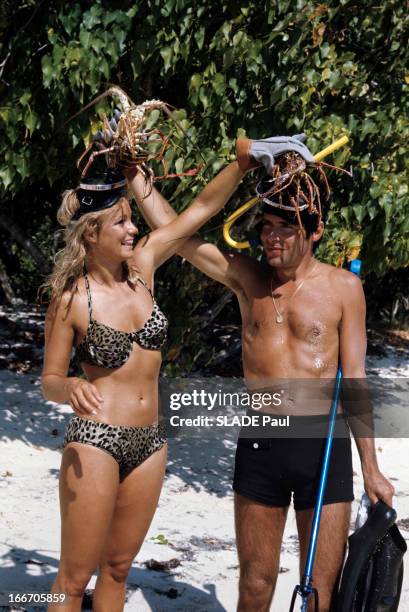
[
  {"x": 89, "y": 481},
  {"x": 137, "y": 499}
]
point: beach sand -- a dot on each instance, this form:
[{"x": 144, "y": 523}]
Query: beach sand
[{"x": 193, "y": 523}]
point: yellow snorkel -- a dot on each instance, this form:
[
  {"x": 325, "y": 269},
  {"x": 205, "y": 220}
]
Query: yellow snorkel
[{"x": 228, "y": 224}]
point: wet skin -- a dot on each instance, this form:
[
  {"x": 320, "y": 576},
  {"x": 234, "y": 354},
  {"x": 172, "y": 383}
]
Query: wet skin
[
  {"x": 310, "y": 297},
  {"x": 306, "y": 341},
  {"x": 323, "y": 324},
  {"x": 325, "y": 319}
]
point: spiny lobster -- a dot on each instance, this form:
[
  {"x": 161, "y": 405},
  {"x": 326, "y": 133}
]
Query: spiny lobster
[
  {"x": 125, "y": 141},
  {"x": 289, "y": 174}
]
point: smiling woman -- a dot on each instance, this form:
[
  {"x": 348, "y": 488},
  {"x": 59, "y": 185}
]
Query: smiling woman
[
  {"x": 102, "y": 304},
  {"x": 85, "y": 214}
]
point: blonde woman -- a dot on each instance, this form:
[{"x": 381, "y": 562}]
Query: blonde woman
[{"x": 103, "y": 305}]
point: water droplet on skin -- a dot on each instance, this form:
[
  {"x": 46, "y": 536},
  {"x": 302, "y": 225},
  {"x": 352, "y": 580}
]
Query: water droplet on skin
[{"x": 318, "y": 363}]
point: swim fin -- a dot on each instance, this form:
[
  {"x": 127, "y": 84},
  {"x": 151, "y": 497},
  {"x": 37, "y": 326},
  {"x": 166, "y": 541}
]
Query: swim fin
[
  {"x": 372, "y": 575},
  {"x": 387, "y": 573}
]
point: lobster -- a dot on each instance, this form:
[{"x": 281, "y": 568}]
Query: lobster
[
  {"x": 290, "y": 174},
  {"x": 125, "y": 141}
]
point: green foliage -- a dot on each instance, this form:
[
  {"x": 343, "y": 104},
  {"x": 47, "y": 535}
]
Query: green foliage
[{"x": 258, "y": 68}]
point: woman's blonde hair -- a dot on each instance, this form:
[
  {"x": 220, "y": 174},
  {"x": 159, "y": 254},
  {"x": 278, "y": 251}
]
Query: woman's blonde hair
[{"x": 69, "y": 263}]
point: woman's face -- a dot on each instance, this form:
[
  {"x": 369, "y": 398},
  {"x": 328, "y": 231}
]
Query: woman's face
[{"x": 116, "y": 235}]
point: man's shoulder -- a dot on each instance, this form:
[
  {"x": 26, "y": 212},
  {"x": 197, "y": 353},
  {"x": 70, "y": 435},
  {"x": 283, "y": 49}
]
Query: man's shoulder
[
  {"x": 345, "y": 284},
  {"x": 340, "y": 275}
]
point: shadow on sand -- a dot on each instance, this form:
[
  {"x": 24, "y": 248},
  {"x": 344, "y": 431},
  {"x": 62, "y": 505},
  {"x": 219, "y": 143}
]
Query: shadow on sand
[{"x": 161, "y": 590}]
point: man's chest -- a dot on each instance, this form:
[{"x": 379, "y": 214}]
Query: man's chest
[{"x": 313, "y": 319}]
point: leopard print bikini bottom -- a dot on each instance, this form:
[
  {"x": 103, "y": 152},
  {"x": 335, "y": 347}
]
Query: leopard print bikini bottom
[{"x": 129, "y": 446}]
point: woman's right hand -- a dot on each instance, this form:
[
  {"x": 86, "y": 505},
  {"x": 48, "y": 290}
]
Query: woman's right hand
[{"x": 84, "y": 398}]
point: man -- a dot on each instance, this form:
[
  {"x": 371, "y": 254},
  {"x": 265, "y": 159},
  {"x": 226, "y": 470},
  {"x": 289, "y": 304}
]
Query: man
[{"x": 299, "y": 317}]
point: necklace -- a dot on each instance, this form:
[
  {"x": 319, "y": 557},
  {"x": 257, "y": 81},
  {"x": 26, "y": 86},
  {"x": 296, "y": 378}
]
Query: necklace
[{"x": 279, "y": 315}]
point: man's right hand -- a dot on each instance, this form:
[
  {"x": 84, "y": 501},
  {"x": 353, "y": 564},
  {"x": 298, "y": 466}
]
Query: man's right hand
[
  {"x": 84, "y": 397},
  {"x": 254, "y": 153}
]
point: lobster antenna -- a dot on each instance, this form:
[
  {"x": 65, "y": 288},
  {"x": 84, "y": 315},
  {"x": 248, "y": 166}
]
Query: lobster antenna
[
  {"x": 89, "y": 105},
  {"x": 178, "y": 124}
]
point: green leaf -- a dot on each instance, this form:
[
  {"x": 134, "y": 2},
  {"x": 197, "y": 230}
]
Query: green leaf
[
  {"x": 368, "y": 127},
  {"x": 387, "y": 231},
  {"x": 72, "y": 56},
  {"x": 179, "y": 164},
  {"x": 228, "y": 58},
  {"x": 346, "y": 213},
  {"x": 6, "y": 177},
  {"x": 93, "y": 17},
  {"x": 199, "y": 36},
  {"x": 25, "y": 98},
  {"x": 203, "y": 98},
  {"x": 104, "y": 68},
  {"x": 218, "y": 83},
  {"x": 360, "y": 212},
  {"x": 326, "y": 74},
  {"x": 195, "y": 81},
  {"x": 166, "y": 54},
  {"x": 85, "y": 38},
  {"x": 48, "y": 70},
  {"x": 22, "y": 166},
  {"x": 31, "y": 122}
]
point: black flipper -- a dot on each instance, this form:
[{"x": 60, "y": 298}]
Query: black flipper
[
  {"x": 372, "y": 576},
  {"x": 387, "y": 573}
]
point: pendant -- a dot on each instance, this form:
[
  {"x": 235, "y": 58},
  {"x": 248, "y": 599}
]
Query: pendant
[{"x": 279, "y": 318}]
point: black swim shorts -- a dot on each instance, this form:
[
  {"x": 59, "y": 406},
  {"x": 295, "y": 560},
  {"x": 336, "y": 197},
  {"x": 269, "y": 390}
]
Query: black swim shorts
[{"x": 269, "y": 470}]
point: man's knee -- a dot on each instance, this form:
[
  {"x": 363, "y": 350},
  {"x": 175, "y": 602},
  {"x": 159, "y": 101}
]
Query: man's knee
[{"x": 256, "y": 583}]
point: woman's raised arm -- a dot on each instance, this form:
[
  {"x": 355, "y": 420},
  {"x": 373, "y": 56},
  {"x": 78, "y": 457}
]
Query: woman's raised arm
[{"x": 168, "y": 239}]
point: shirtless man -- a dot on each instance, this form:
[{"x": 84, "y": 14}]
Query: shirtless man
[{"x": 291, "y": 328}]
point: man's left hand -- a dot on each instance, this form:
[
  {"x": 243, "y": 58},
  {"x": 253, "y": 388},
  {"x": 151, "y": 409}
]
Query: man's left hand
[
  {"x": 378, "y": 487},
  {"x": 254, "y": 153}
]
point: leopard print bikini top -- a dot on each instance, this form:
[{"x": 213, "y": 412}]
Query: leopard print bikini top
[{"x": 110, "y": 348}]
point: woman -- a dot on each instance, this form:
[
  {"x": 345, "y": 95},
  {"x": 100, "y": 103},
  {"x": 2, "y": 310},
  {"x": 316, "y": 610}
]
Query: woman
[{"x": 103, "y": 305}]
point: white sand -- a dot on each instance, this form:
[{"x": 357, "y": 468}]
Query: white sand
[{"x": 195, "y": 513}]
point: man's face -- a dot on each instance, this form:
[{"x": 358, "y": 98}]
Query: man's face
[{"x": 284, "y": 243}]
